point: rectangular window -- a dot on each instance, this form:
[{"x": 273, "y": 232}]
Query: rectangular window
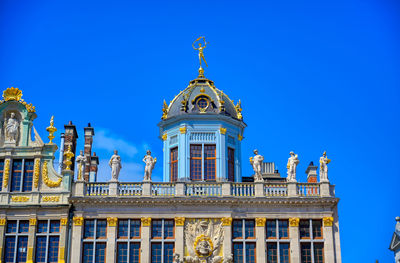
[
  {"x": 22, "y": 175},
  {"x": 94, "y": 246},
  {"x": 128, "y": 242},
  {"x": 47, "y": 241},
  {"x": 317, "y": 229},
  {"x": 243, "y": 235},
  {"x": 162, "y": 240},
  {"x": 1, "y": 172},
  {"x": 210, "y": 162},
  {"x": 203, "y": 156},
  {"x": 250, "y": 252},
  {"x": 238, "y": 252},
  {"x": 283, "y": 228},
  {"x": 16, "y": 241},
  {"x": 318, "y": 253},
  {"x": 304, "y": 228},
  {"x": 312, "y": 246},
  {"x": 306, "y": 253},
  {"x": 284, "y": 253},
  {"x": 272, "y": 253},
  {"x": 195, "y": 162},
  {"x": 277, "y": 241},
  {"x": 174, "y": 164},
  {"x": 237, "y": 231},
  {"x": 231, "y": 165},
  {"x": 249, "y": 228},
  {"x": 271, "y": 229}
]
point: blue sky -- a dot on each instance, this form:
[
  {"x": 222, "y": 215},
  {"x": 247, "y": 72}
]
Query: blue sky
[{"x": 311, "y": 75}]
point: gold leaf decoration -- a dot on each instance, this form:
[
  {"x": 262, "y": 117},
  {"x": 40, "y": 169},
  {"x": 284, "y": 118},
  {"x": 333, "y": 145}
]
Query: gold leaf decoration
[{"x": 46, "y": 178}]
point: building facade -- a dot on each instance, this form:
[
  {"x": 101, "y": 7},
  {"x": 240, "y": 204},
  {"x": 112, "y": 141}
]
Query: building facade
[{"x": 204, "y": 211}]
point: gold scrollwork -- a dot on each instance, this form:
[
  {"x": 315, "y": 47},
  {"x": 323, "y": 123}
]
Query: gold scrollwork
[
  {"x": 328, "y": 221},
  {"x": 64, "y": 221},
  {"x": 260, "y": 221},
  {"x": 78, "y": 220},
  {"x": 179, "y": 221},
  {"x": 3, "y": 221},
  {"x": 46, "y": 178},
  {"x": 294, "y": 221},
  {"x": 6, "y": 172},
  {"x": 112, "y": 221},
  {"x": 32, "y": 221},
  {"x": 20, "y": 198},
  {"x": 146, "y": 221},
  {"x": 222, "y": 130},
  {"x": 51, "y": 199},
  {"x": 165, "y": 111},
  {"x": 36, "y": 173},
  {"x": 238, "y": 108},
  {"x": 226, "y": 221},
  {"x": 16, "y": 94}
]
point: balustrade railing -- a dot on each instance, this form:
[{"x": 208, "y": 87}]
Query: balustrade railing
[
  {"x": 203, "y": 189},
  {"x": 308, "y": 189},
  {"x": 242, "y": 189},
  {"x": 126, "y": 189},
  {"x": 96, "y": 189},
  {"x": 163, "y": 189},
  {"x": 275, "y": 189}
]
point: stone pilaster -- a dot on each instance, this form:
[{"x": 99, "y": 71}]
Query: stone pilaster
[
  {"x": 63, "y": 240},
  {"x": 145, "y": 245},
  {"x": 260, "y": 235},
  {"x": 294, "y": 240},
  {"x": 31, "y": 240},
  {"x": 179, "y": 236},
  {"x": 329, "y": 249},
  {"x": 227, "y": 225},
  {"x": 76, "y": 242},
  {"x": 111, "y": 238},
  {"x": 3, "y": 222}
]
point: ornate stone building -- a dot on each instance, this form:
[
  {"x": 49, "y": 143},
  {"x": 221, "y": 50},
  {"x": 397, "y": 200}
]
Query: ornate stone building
[{"x": 204, "y": 211}]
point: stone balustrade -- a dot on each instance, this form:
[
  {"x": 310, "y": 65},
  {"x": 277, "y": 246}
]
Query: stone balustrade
[{"x": 205, "y": 189}]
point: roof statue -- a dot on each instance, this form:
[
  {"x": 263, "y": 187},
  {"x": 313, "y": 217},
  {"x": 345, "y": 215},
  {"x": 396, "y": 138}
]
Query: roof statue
[
  {"x": 200, "y": 48},
  {"x": 395, "y": 243}
]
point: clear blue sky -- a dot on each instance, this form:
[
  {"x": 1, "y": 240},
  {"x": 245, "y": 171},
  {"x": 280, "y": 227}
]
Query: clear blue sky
[{"x": 312, "y": 76}]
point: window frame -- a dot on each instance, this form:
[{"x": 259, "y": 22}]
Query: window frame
[
  {"x": 231, "y": 164},
  {"x": 311, "y": 240},
  {"x": 172, "y": 163},
  {"x": 277, "y": 239},
  {"x": 162, "y": 240},
  {"x": 129, "y": 239},
  {"x": 23, "y": 176},
  {"x": 94, "y": 240},
  {"x": 243, "y": 239},
  {"x": 202, "y": 159},
  {"x": 17, "y": 235},
  {"x": 48, "y": 234}
]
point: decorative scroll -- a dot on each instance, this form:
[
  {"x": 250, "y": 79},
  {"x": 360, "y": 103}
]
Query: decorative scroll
[
  {"x": 50, "y": 199},
  {"x": 64, "y": 221},
  {"x": 20, "y": 198},
  {"x": 226, "y": 221},
  {"x": 260, "y": 221},
  {"x": 179, "y": 221},
  {"x": 46, "y": 178},
  {"x": 146, "y": 221},
  {"x": 112, "y": 221},
  {"x": 294, "y": 221},
  {"x": 32, "y": 221},
  {"x": 328, "y": 221},
  {"x": 78, "y": 220}
]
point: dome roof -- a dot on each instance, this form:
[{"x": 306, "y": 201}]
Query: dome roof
[{"x": 202, "y": 97}]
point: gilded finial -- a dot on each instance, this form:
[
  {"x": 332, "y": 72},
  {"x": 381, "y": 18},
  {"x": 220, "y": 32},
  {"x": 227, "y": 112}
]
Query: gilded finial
[
  {"x": 51, "y": 130},
  {"x": 238, "y": 108},
  {"x": 165, "y": 110},
  {"x": 68, "y": 156},
  {"x": 12, "y": 94}
]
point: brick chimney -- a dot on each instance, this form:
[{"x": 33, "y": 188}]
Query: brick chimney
[
  {"x": 311, "y": 173},
  {"x": 94, "y": 163},
  {"x": 89, "y": 133},
  {"x": 70, "y": 140}
]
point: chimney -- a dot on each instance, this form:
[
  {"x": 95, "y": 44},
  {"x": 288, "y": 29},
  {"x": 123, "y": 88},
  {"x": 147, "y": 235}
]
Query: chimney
[
  {"x": 311, "y": 173},
  {"x": 94, "y": 163},
  {"x": 70, "y": 140},
  {"x": 89, "y": 133}
]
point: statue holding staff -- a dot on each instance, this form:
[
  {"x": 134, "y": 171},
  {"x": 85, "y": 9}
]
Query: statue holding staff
[{"x": 200, "y": 49}]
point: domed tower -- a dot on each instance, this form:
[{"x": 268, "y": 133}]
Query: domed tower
[{"x": 202, "y": 130}]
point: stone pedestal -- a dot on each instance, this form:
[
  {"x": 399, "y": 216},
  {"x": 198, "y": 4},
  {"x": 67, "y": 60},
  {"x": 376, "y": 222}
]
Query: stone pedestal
[
  {"x": 259, "y": 189},
  {"x": 180, "y": 189},
  {"x": 146, "y": 189},
  {"x": 292, "y": 188},
  {"x": 324, "y": 189},
  {"x": 226, "y": 189},
  {"x": 80, "y": 188},
  {"x": 113, "y": 188}
]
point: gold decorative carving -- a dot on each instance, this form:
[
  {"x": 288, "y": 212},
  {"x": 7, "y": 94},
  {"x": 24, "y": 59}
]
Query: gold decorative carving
[
  {"x": 179, "y": 221},
  {"x": 164, "y": 136},
  {"x": 260, "y": 221},
  {"x": 222, "y": 130},
  {"x": 182, "y": 130},
  {"x": 165, "y": 111},
  {"x": 51, "y": 199},
  {"x": 6, "y": 172},
  {"x": 112, "y": 221},
  {"x": 328, "y": 221},
  {"x": 46, "y": 178},
  {"x": 203, "y": 238},
  {"x": 68, "y": 154},
  {"x": 146, "y": 221},
  {"x": 30, "y": 255},
  {"x": 3, "y": 221},
  {"x": 12, "y": 94},
  {"x": 32, "y": 221},
  {"x": 20, "y": 198},
  {"x": 226, "y": 221},
  {"x": 294, "y": 221},
  {"x": 202, "y": 90},
  {"x": 64, "y": 221},
  {"x": 78, "y": 220},
  {"x": 240, "y": 137},
  {"x": 238, "y": 108},
  {"x": 61, "y": 255},
  {"x": 51, "y": 130},
  {"x": 36, "y": 173}
]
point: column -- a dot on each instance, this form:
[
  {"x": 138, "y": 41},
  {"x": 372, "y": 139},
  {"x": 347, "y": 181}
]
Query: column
[
  {"x": 111, "y": 238},
  {"x": 222, "y": 174},
  {"x": 63, "y": 239},
  {"x": 31, "y": 240},
  {"x": 76, "y": 239},
  {"x": 3, "y": 221},
  {"x": 329, "y": 244},
  {"x": 294, "y": 239},
  {"x": 179, "y": 234},
  {"x": 182, "y": 153},
  {"x": 261, "y": 239},
  {"x": 145, "y": 245},
  {"x": 227, "y": 225}
]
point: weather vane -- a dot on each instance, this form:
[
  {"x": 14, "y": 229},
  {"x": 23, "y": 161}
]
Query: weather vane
[{"x": 200, "y": 48}]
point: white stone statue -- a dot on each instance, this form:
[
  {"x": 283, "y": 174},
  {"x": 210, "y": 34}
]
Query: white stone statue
[
  {"x": 323, "y": 169},
  {"x": 292, "y": 163},
  {"x": 81, "y": 161},
  {"x": 256, "y": 162},
  {"x": 12, "y": 128},
  {"x": 115, "y": 164},
  {"x": 148, "y": 169}
]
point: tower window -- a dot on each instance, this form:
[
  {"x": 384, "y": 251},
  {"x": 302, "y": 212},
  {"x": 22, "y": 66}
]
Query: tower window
[
  {"x": 174, "y": 164},
  {"x": 203, "y": 162},
  {"x": 202, "y": 103},
  {"x": 231, "y": 165}
]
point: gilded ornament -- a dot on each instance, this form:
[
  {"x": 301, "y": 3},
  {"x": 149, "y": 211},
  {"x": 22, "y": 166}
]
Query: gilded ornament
[
  {"x": 78, "y": 220},
  {"x": 222, "y": 130},
  {"x": 146, "y": 221},
  {"x": 20, "y": 198},
  {"x": 203, "y": 239},
  {"x": 200, "y": 48},
  {"x": 179, "y": 221},
  {"x": 112, "y": 221},
  {"x": 68, "y": 154},
  {"x": 165, "y": 111},
  {"x": 6, "y": 172},
  {"x": 30, "y": 255},
  {"x": 46, "y": 178},
  {"x": 51, "y": 130},
  {"x": 240, "y": 137},
  {"x": 164, "y": 137},
  {"x": 64, "y": 221},
  {"x": 50, "y": 199},
  {"x": 36, "y": 173},
  {"x": 261, "y": 221},
  {"x": 182, "y": 130},
  {"x": 12, "y": 94},
  {"x": 328, "y": 221},
  {"x": 294, "y": 221},
  {"x": 32, "y": 221},
  {"x": 61, "y": 255},
  {"x": 3, "y": 221},
  {"x": 238, "y": 108},
  {"x": 226, "y": 221},
  {"x": 202, "y": 90}
]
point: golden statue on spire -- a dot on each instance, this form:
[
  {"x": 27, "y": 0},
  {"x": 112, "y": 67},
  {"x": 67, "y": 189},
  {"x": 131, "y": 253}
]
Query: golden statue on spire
[{"x": 200, "y": 49}]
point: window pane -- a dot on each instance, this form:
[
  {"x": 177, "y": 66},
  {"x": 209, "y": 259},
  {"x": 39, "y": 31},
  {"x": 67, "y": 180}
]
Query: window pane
[
  {"x": 1, "y": 172},
  {"x": 9, "y": 250},
  {"x": 304, "y": 229},
  {"x": 54, "y": 226},
  {"x": 22, "y": 249},
  {"x": 168, "y": 229},
  {"x": 237, "y": 229},
  {"x": 100, "y": 253},
  {"x": 250, "y": 252},
  {"x": 284, "y": 252},
  {"x": 318, "y": 253},
  {"x": 317, "y": 228},
  {"x": 135, "y": 228},
  {"x": 42, "y": 226},
  {"x": 249, "y": 228},
  {"x": 156, "y": 229},
  {"x": 271, "y": 229},
  {"x": 231, "y": 164},
  {"x": 174, "y": 164},
  {"x": 272, "y": 253},
  {"x": 87, "y": 253},
  {"x": 305, "y": 253},
  {"x": 12, "y": 226},
  {"x": 123, "y": 229},
  {"x": 283, "y": 228},
  {"x": 195, "y": 162},
  {"x": 89, "y": 229},
  {"x": 53, "y": 249},
  {"x": 134, "y": 256},
  {"x": 16, "y": 175},
  {"x": 209, "y": 163},
  {"x": 122, "y": 253},
  {"x": 41, "y": 249},
  {"x": 23, "y": 226},
  {"x": 28, "y": 176},
  {"x": 168, "y": 252},
  {"x": 238, "y": 252},
  {"x": 156, "y": 252}
]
